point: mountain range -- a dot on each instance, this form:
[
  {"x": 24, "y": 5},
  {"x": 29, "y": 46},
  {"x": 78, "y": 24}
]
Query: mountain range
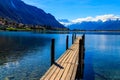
[
  {"x": 99, "y": 25},
  {"x": 20, "y": 12},
  {"x": 103, "y": 22}
]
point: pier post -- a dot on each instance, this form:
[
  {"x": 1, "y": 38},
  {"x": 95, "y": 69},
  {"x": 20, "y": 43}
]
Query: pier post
[
  {"x": 67, "y": 39},
  {"x": 83, "y": 38},
  {"x": 80, "y": 53},
  {"x": 75, "y": 36},
  {"x": 79, "y": 70},
  {"x": 83, "y": 44},
  {"x": 52, "y": 51},
  {"x": 72, "y": 38}
]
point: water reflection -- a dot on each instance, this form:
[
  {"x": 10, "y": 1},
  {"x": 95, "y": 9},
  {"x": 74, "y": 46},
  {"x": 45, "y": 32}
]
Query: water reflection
[
  {"x": 26, "y": 55},
  {"x": 13, "y": 48},
  {"x": 102, "y": 57}
]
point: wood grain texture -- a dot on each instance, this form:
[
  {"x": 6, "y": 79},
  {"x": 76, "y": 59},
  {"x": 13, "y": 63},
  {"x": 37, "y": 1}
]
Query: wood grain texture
[{"x": 65, "y": 67}]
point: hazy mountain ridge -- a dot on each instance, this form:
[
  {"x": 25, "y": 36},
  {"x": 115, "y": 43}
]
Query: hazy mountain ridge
[
  {"x": 101, "y": 22},
  {"x": 99, "y": 25},
  {"x": 26, "y": 14}
]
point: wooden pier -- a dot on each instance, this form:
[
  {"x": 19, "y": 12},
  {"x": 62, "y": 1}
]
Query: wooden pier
[{"x": 70, "y": 65}]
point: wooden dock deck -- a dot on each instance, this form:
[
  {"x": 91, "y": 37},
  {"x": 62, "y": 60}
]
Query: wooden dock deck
[{"x": 65, "y": 68}]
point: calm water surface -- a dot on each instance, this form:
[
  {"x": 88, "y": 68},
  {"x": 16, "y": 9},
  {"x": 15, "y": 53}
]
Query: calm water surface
[
  {"x": 102, "y": 57},
  {"x": 26, "y": 55}
]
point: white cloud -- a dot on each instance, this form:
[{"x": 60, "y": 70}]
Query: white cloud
[
  {"x": 100, "y": 17},
  {"x": 82, "y": 19},
  {"x": 66, "y": 23}
]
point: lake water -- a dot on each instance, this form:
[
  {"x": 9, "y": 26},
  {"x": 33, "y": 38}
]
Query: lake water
[{"x": 26, "y": 55}]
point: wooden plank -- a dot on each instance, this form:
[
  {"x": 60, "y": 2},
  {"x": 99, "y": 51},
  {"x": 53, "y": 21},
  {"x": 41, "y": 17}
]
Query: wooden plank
[
  {"x": 66, "y": 66},
  {"x": 68, "y": 77},
  {"x": 52, "y": 68},
  {"x": 57, "y": 71},
  {"x": 62, "y": 70},
  {"x": 74, "y": 70},
  {"x": 73, "y": 75},
  {"x": 58, "y": 68}
]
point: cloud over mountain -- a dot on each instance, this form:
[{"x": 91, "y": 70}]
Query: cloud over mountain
[{"x": 102, "y": 18}]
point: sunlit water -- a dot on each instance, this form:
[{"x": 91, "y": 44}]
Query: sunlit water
[
  {"x": 26, "y": 55},
  {"x": 102, "y": 60}
]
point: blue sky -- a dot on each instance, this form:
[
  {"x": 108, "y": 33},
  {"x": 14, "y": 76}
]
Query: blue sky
[{"x": 73, "y": 9}]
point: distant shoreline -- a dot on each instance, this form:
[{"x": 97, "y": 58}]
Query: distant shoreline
[
  {"x": 96, "y": 30},
  {"x": 62, "y": 30}
]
